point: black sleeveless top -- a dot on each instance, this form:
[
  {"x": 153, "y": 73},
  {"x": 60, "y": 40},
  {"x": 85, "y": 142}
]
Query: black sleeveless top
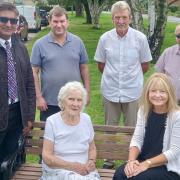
[{"x": 154, "y": 134}]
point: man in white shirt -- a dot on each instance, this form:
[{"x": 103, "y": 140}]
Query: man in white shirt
[{"x": 122, "y": 55}]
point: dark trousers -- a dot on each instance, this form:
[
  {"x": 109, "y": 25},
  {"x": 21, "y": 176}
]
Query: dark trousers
[
  {"x": 157, "y": 173},
  {"x": 50, "y": 111},
  {"x": 9, "y": 137}
]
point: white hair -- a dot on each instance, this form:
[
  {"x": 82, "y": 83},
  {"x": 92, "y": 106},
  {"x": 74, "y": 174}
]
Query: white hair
[{"x": 74, "y": 85}]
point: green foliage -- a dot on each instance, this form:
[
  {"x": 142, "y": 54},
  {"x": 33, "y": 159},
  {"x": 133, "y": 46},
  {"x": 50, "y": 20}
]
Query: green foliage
[
  {"x": 60, "y": 2},
  {"x": 174, "y": 11},
  {"x": 43, "y": 6},
  {"x": 173, "y": 8}
]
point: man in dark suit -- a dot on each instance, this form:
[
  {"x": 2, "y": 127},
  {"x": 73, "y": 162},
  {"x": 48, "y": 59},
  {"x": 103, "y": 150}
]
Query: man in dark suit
[{"x": 17, "y": 91}]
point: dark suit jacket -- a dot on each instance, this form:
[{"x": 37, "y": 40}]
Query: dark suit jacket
[{"x": 25, "y": 81}]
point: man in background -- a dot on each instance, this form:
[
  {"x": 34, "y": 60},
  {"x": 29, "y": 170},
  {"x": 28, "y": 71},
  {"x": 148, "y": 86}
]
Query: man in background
[
  {"x": 169, "y": 63},
  {"x": 57, "y": 58}
]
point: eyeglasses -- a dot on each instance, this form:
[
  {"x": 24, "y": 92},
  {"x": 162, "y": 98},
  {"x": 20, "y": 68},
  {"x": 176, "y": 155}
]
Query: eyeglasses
[
  {"x": 178, "y": 36},
  {"x": 4, "y": 20}
]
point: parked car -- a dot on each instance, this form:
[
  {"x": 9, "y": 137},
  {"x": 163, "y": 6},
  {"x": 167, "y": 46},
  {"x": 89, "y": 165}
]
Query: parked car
[
  {"x": 44, "y": 17},
  {"x": 32, "y": 15},
  {"x": 23, "y": 26}
]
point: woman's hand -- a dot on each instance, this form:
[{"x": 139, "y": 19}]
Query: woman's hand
[
  {"x": 90, "y": 166},
  {"x": 80, "y": 168},
  {"x": 130, "y": 168},
  {"x": 143, "y": 166}
]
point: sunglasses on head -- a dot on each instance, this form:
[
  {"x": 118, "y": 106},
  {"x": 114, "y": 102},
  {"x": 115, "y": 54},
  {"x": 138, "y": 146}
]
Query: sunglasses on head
[
  {"x": 5, "y": 20},
  {"x": 178, "y": 36}
]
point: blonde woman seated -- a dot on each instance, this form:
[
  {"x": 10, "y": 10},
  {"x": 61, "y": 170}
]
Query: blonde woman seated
[
  {"x": 154, "y": 152},
  {"x": 69, "y": 152}
]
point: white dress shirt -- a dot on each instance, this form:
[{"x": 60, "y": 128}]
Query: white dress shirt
[{"x": 122, "y": 78}]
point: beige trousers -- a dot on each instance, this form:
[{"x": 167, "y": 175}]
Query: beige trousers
[{"x": 114, "y": 110}]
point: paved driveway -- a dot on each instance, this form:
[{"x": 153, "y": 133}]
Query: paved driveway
[{"x": 173, "y": 19}]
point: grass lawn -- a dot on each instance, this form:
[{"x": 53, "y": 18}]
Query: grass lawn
[{"x": 90, "y": 37}]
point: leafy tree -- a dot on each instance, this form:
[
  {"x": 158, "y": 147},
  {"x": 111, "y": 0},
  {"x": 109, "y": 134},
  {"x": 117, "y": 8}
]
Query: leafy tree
[
  {"x": 96, "y": 7},
  {"x": 157, "y": 18},
  {"x": 87, "y": 10},
  {"x": 78, "y": 7}
]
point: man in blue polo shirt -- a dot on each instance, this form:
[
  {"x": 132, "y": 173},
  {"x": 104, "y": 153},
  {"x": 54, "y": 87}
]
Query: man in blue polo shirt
[{"x": 57, "y": 58}]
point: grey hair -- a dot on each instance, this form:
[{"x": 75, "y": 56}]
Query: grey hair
[
  {"x": 74, "y": 85},
  {"x": 119, "y": 6}
]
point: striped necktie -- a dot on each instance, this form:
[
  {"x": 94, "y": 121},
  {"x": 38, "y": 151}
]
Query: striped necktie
[{"x": 12, "y": 83}]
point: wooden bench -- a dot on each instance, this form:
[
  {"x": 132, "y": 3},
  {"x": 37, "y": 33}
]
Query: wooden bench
[{"x": 111, "y": 142}]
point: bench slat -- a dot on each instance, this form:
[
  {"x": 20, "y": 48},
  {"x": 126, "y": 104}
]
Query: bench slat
[
  {"x": 33, "y": 150},
  {"x": 112, "y": 155},
  {"x": 36, "y": 133},
  {"x": 23, "y": 177},
  {"x": 35, "y": 142},
  {"x": 113, "y": 129},
  {"x": 113, "y": 137}
]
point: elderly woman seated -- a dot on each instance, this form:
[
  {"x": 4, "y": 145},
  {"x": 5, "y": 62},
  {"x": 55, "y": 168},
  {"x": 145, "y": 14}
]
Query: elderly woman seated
[{"x": 69, "y": 151}]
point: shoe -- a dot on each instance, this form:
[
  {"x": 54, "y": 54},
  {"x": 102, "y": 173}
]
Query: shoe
[{"x": 108, "y": 165}]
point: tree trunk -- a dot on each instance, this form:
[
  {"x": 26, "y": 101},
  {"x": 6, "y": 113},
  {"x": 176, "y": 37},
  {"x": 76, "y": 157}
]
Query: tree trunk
[
  {"x": 156, "y": 39},
  {"x": 88, "y": 15},
  {"x": 151, "y": 16},
  {"x": 137, "y": 19},
  {"x": 96, "y": 7},
  {"x": 157, "y": 22},
  {"x": 78, "y": 8}
]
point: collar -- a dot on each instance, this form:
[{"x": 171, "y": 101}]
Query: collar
[
  {"x": 125, "y": 36},
  {"x": 52, "y": 40},
  {"x": 2, "y": 42}
]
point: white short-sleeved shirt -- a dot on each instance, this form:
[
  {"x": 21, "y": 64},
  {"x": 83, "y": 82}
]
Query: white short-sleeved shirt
[
  {"x": 71, "y": 143},
  {"x": 122, "y": 78}
]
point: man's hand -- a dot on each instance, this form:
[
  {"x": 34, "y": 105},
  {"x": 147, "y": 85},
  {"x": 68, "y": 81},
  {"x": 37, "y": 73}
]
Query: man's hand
[
  {"x": 41, "y": 104},
  {"x": 28, "y": 128},
  {"x": 88, "y": 98}
]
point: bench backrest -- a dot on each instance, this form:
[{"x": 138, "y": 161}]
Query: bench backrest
[{"x": 112, "y": 142}]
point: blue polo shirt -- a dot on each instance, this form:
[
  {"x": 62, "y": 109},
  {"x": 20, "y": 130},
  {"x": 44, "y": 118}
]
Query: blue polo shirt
[{"x": 59, "y": 63}]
